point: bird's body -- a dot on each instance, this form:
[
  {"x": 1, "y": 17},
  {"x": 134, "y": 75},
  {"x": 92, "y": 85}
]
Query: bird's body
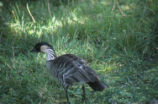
[{"x": 69, "y": 69}]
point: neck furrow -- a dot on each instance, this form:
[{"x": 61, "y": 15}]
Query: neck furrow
[{"x": 50, "y": 54}]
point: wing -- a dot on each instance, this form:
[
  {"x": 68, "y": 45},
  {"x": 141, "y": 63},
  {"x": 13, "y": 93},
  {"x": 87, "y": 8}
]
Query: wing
[{"x": 72, "y": 69}]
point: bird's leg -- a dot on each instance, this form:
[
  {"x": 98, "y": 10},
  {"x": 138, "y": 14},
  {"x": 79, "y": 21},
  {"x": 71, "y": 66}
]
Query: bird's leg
[
  {"x": 66, "y": 92},
  {"x": 84, "y": 94}
]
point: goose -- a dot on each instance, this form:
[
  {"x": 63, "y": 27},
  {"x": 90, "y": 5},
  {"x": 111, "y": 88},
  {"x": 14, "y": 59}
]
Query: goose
[{"x": 69, "y": 69}]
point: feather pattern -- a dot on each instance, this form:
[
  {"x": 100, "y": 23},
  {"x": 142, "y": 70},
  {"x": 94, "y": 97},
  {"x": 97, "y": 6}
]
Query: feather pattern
[
  {"x": 70, "y": 69},
  {"x": 50, "y": 54}
]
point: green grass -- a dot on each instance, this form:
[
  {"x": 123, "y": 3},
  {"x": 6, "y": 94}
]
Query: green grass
[{"x": 118, "y": 40}]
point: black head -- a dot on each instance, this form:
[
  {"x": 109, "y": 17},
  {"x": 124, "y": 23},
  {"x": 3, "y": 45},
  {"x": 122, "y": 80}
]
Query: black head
[{"x": 39, "y": 47}]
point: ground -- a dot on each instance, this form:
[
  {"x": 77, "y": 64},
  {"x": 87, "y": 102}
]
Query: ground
[{"x": 117, "y": 38}]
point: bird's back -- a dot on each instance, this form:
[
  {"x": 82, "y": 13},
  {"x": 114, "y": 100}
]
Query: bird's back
[{"x": 69, "y": 69}]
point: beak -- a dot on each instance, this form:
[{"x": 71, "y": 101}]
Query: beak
[{"x": 33, "y": 50}]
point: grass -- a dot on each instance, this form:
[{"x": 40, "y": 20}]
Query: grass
[{"x": 117, "y": 39}]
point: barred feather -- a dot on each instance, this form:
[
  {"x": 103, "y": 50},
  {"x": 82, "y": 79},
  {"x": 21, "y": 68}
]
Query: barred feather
[{"x": 70, "y": 69}]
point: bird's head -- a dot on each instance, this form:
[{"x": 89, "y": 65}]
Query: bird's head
[{"x": 41, "y": 47}]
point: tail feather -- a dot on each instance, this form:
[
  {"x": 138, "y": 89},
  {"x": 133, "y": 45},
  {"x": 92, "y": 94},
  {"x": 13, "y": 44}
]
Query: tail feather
[{"x": 97, "y": 85}]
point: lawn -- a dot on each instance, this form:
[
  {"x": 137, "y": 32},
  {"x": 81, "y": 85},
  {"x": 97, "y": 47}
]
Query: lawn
[{"x": 117, "y": 38}]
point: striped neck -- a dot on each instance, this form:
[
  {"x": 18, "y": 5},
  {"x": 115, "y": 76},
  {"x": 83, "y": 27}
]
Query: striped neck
[{"x": 50, "y": 54}]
